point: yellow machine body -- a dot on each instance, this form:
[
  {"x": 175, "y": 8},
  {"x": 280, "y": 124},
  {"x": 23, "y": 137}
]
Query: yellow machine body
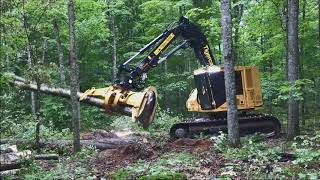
[{"x": 251, "y": 97}]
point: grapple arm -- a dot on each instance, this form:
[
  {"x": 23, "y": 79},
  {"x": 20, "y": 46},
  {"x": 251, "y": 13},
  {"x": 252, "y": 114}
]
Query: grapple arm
[
  {"x": 129, "y": 77},
  {"x": 141, "y": 105}
]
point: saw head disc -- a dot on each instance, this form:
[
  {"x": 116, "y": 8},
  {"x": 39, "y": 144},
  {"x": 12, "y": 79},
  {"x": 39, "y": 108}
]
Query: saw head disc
[{"x": 148, "y": 108}]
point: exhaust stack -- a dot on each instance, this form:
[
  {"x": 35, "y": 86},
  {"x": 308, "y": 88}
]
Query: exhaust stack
[{"x": 141, "y": 106}]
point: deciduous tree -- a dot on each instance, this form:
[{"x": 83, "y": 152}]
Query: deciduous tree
[
  {"x": 229, "y": 74},
  {"x": 74, "y": 78},
  {"x": 293, "y": 67}
]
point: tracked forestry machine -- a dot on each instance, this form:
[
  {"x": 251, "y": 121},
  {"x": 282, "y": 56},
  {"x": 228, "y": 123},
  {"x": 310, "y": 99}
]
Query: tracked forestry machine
[{"x": 208, "y": 98}]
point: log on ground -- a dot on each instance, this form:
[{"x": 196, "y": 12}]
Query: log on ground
[
  {"x": 46, "y": 157},
  {"x": 9, "y": 172},
  {"x": 111, "y": 143}
]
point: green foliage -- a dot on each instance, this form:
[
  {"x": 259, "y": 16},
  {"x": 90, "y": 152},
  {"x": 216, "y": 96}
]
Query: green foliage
[
  {"x": 304, "y": 150},
  {"x": 164, "y": 176},
  {"x": 299, "y": 89},
  {"x": 252, "y": 148},
  {"x": 307, "y": 141},
  {"x": 17, "y": 121},
  {"x": 167, "y": 165},
  {"x": 306, "y": 157},
  {"x": 161, "y": 124},
  {"x": 74, "y": 167},
  {"x": 40, "y": 73},
  {"x": 220, "y": 142},
  {"x": 27, "y": 130},
  {"x": 163, "y": 121},
  {"x": 94, "y": 118},
  {"x": 5, "y": 78}
]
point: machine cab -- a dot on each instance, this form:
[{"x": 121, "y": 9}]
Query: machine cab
[{"x": 210, "y": 96}]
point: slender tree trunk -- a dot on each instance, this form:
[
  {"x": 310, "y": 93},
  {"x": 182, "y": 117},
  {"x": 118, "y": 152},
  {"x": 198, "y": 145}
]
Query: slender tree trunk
[
  {"x": 30, "y": 64},
  {"x": 7, "y": 64},
  {"x": 302, "y": 53},
  {"x": 74, "y": 79},
  {"x": 270, "y": 76},
  {"x": 44, "y": 48},
  {"x": 229, "y": 74},
  {"x": 114, "y": 46},
  {"x": 38, "y": 83},
  {"x": 165, "y": 93},
  {"x": 60, "y": 51},
  {"x": 37, "y": 105},
  {"x": 285, "y": 28},
  {"x": 293, "y": 68},
  {"x": 37, "y": 102},
  {"x": 238, "y": 11},
  {"x": 219, "y": 49}
]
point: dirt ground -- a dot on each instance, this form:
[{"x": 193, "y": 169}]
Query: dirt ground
[
  {"x": 149, "y": 149},
  {"x": 143, "y": 147}
]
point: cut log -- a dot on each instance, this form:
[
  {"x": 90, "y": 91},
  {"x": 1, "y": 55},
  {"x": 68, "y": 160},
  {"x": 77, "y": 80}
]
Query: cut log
[
  {"x": 15, "y": 165},
  {"x": 46, "y": 157},
  {"x": 7, "y": 148},
  {"x": 65, "y": 93},
  {"x": 9, "y": 172},
  {"x": 13, "y": 160},
  {"x": 111, "y": 143}
]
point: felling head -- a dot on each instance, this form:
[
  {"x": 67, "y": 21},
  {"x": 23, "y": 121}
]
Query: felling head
[
  {"x": 146, "y": 111},
  {"x": 141, "y": 106}
]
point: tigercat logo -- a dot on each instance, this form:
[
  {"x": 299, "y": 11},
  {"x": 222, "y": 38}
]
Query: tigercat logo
[{"x": 207, "y": 54}]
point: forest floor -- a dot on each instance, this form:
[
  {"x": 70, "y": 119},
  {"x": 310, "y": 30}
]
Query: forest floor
[{"x": 158, "y": 157}]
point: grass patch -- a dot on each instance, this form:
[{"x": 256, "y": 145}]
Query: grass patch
[
  {"x": 264, "y": 161},
  {"x": 165, "y": 167},
  {"x": 73, "y": 167}
]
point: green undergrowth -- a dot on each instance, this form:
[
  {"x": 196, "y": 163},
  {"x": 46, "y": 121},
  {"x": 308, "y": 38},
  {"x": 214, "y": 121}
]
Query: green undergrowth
[
  {"x": 160, "y": 125},
  {"x": 260, "y": 158},
  {"x": 168, "y": 166},
  {"x": 71, "y": 167}
]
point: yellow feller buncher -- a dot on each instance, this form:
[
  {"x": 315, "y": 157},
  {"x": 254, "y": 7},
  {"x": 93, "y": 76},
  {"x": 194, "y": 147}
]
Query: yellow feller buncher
[{"x": 208, "y": 98}]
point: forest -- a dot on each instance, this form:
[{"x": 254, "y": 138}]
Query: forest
[{"x": 53, "y": 51}]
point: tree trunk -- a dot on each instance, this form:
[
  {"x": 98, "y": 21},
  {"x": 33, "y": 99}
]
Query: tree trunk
[
  {"x": 114, "y": 47},
  {"x": 270, "y": 76},
  {"x": 46, "y": 157},
  {"x": 293, "y": 68},
  {"x": 103, "y": 144},
  {"x": 30, "y": 64},
  {"x": 34, "y": 98},
  {"x": 65, "y": 93},
  {"x": 74, "y": 79},
  {"x": 44, "y": 49},
  {"x": 301, "y": 74},
  {"x": 238, "y": 11},
  {"x": 37, "y": 105},
  {"x": 285, "y": 28},
  {"x": 165, "y": 92},
  {"x": 219, "y": 49},
  {"x": 60, "y": 51},
  {"x": 229, "y": 74},
  {"x": 38, "y": 125},
  {"x": 9, "y": 173},
  {"x": 7, "y": 62}
]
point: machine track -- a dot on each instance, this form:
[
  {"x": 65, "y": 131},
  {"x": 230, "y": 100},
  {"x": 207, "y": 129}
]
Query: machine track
[{"x": 248, "y": 124}]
